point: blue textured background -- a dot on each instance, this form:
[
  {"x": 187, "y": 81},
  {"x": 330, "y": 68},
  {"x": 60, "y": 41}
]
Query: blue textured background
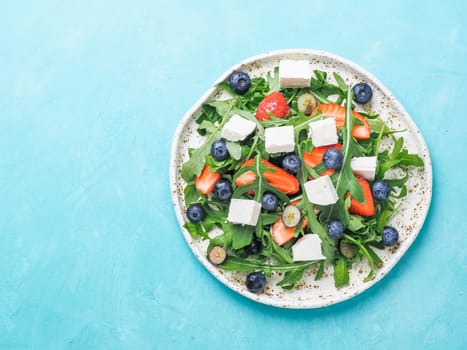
[{"x": 91, "y": 256}]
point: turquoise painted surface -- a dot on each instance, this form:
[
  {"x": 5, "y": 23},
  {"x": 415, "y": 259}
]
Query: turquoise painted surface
[{"x": 91, "y": 256}]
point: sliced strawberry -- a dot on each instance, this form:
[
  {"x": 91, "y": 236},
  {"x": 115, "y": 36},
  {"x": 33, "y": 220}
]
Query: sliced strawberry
[
  {"x": 332, "y": 110},
  {"x": 327, "y": 172},
  {"x": 366, "y": 208},
  {"x": 206, "y": 180},
  {"x": 274, "y": 103},
  {"x": 315, "y": 157},
  {"x": 279, "y": 178},
  {"x": 281, "y": 234}
]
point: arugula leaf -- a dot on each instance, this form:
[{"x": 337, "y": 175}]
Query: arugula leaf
[
  {"x": 363, "y": 250},
  {"x": 319, "y": 81},
  {"x": 241, "y": 235},
  {"x": 195, "y": 164},
  {"x": 402, "y": 192},
  {"x": 223, "y": 107},
  {"x": 356, "y": 223},
  {"x": 320, "y": 271},
  {"x": 284, "y": 254},
  {"x": 341, "y": 274},
  {"x": 398, "y": 157},
  {"x": 340, "y": 82},
  {"x": 196, "y": 230},
  {"x": 235, "y": 150},
  {"x": 291, "y": 278},
  {"x": 223, "y": 240},
  {"x": 273, "y": 80},
  {"x": 209, "y": 113},
  {"x": 191, "y": 193},
  {"x": 233, "y": 263},
  {"x": 269, "y": 218},
  {"x": 206, "y": 127},
  {"x": 378, "y": 262},
  {"x": 322, "y": 89}
]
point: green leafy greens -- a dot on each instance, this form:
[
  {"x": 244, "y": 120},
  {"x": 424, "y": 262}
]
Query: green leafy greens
[{"x": 248, "y": 158}]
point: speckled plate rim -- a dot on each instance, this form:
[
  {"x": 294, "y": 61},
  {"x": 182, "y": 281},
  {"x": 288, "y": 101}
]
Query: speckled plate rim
[{"x": 179, "y": 208}]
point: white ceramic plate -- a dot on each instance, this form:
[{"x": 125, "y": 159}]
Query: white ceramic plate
[{"x": 409, "y": 221}]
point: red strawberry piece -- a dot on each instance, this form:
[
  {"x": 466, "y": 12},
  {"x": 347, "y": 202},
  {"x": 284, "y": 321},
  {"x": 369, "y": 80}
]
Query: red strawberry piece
[
  {"x": 333, "y": 110},
  {"x": 367, "y": 208},
  {"x": 281, "y": 234},
  {"x": 278, "y": 178},
  {"x": 206, "y": 181},
  {"x": 315, "y": 157},
  {"x": 274, "y": 103}
]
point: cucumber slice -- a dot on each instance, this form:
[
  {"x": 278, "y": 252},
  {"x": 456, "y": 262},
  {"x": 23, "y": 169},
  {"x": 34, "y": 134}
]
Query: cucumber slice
[
  {"x": 291, "y": 216},
  {"x": 217, "y": 255}
]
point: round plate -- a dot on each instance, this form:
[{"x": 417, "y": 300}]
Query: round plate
[{"x": 409, "y": 220}]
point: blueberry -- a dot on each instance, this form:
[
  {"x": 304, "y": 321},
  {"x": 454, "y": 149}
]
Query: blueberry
[
  {"x": 222, "y": 190},
  {"x": 390, "y": 236},
  {"x": 253, "y": 248},
  {"x": 362, "y": 93},
  {"x": 255, "y": 282},
  {"x": 269, "y": 202},
  {"x": 380, "y": 190},
  {"x": 335, "y": 229},
  {"x": 195, "y": 213},
  {"x": 239, "y": 82},
  {"x": 219, "y": 150},
  {"x": 333, "y": 158},
  {"x": 291, "y": 163}
]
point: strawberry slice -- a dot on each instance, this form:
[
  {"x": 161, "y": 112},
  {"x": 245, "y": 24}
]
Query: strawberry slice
[
  {"x": 315, "y": 157},
  {"x": 274, "y": 103},
  {"x": 206, "y": 180},
  {"x": 366, "y": 208},
  {"x": 280, "y": 179},
  {"x": 281, "y": 234},
  {"x": 332, "y": 110}
]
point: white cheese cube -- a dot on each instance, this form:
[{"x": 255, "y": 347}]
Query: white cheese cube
[
  {"x": 323, "y": 132},
  {"x": 364, "y": 167},
  {"x": 321, "y": 191},
  {"x": 307, "y": 248},
  {"x": 244, "y": 211},
  {"x": 237, "y": 128},
  {"x": 294, "y": 73},
  {"x": 279, "y": 139}
]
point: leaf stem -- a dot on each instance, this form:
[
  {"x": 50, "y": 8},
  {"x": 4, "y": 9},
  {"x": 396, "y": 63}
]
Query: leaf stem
[
  {"x": 364, "y": 251},
  {"x": 253, "y": 147}
]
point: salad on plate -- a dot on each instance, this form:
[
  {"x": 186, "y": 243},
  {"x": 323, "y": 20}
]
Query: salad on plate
[{"x": 295, "y": 173}]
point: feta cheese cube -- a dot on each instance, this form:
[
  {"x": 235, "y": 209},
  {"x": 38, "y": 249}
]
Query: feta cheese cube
[
  {"x": 237, "y": 128},
  {"x": 279, "y": 139},
  {"x": 364, "y": 167},
  {"x": 244, "y": 211},
  {"x": 321, "y": 191},
  {"x": 294, "y": 73},
  {"x": 307, "y": 248},
  {"x": 323, "y": 132}
]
